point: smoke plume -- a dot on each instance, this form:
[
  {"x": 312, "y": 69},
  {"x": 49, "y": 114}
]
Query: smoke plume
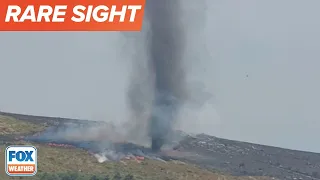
[{"x": 164, "y": 54}]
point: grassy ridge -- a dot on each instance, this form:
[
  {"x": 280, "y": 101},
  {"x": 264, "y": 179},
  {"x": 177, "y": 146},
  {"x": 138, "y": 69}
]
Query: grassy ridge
[
  {"x": 69, "y": 163},
  {"x": 11, "y": 126}
]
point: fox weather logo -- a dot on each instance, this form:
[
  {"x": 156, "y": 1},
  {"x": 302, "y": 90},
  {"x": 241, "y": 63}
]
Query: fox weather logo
[{"x": 21, "y": 160}]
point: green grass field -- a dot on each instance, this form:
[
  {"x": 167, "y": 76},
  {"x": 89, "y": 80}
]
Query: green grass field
[{"x": 70, "y": 163}]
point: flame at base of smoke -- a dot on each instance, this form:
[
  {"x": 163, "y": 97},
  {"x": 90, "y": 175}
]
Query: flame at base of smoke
[{"x": 101, "y": 146}]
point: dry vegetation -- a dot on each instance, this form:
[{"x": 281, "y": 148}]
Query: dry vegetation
[
  {"x": 11, "y": 126},
  {"x": 76, "y": 163}
]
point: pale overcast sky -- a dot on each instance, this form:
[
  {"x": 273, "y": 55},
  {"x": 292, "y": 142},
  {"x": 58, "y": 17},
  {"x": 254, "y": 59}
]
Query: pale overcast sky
[{"x": 258, "y": 59}]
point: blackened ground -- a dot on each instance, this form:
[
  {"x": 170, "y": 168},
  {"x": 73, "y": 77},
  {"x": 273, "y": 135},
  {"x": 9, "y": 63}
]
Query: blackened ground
[
  {"x": 59, "y": 135},
  {"x": 238, "y": 158},
  {"x": 241, "y": 158}
]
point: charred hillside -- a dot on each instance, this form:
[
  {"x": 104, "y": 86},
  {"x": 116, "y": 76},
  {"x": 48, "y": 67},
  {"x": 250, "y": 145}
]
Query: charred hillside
[{"x": 217, "y": 154}]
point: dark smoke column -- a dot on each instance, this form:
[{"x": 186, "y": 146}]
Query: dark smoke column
[{"x": 165, "y": 45}]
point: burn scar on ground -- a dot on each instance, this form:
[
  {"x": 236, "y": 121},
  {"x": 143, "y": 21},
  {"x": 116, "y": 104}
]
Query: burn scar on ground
[
  {"x": 99, "y": 144},
  {"x": 68, "y": 144}
]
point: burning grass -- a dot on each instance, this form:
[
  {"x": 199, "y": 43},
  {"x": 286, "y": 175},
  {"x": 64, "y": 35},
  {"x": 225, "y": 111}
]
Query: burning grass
[
  {"x": 56, "y": 161},
  {"x": 67, "y": 160}
]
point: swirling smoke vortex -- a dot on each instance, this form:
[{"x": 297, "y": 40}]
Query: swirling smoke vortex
[{"x": 165, "y": 50}]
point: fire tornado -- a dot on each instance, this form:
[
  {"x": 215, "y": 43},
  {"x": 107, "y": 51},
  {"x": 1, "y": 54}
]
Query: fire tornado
[{"x": 165, "y": 46}]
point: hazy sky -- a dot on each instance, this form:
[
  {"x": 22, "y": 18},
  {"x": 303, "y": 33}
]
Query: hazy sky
[{"x": 257, "y": 59}]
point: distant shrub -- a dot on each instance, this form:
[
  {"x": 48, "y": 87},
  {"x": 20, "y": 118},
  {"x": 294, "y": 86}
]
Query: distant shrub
[
  {"x": 117, "y": 176},
  {"x": 242, "y": 165},
  {"x": 69, "y": 176},
  {"x": 106, "y": 178},
  {"x": 47, "y": 176},
  {"x": 94, "y": 177},
  {"x": 128, "y": 177}
]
